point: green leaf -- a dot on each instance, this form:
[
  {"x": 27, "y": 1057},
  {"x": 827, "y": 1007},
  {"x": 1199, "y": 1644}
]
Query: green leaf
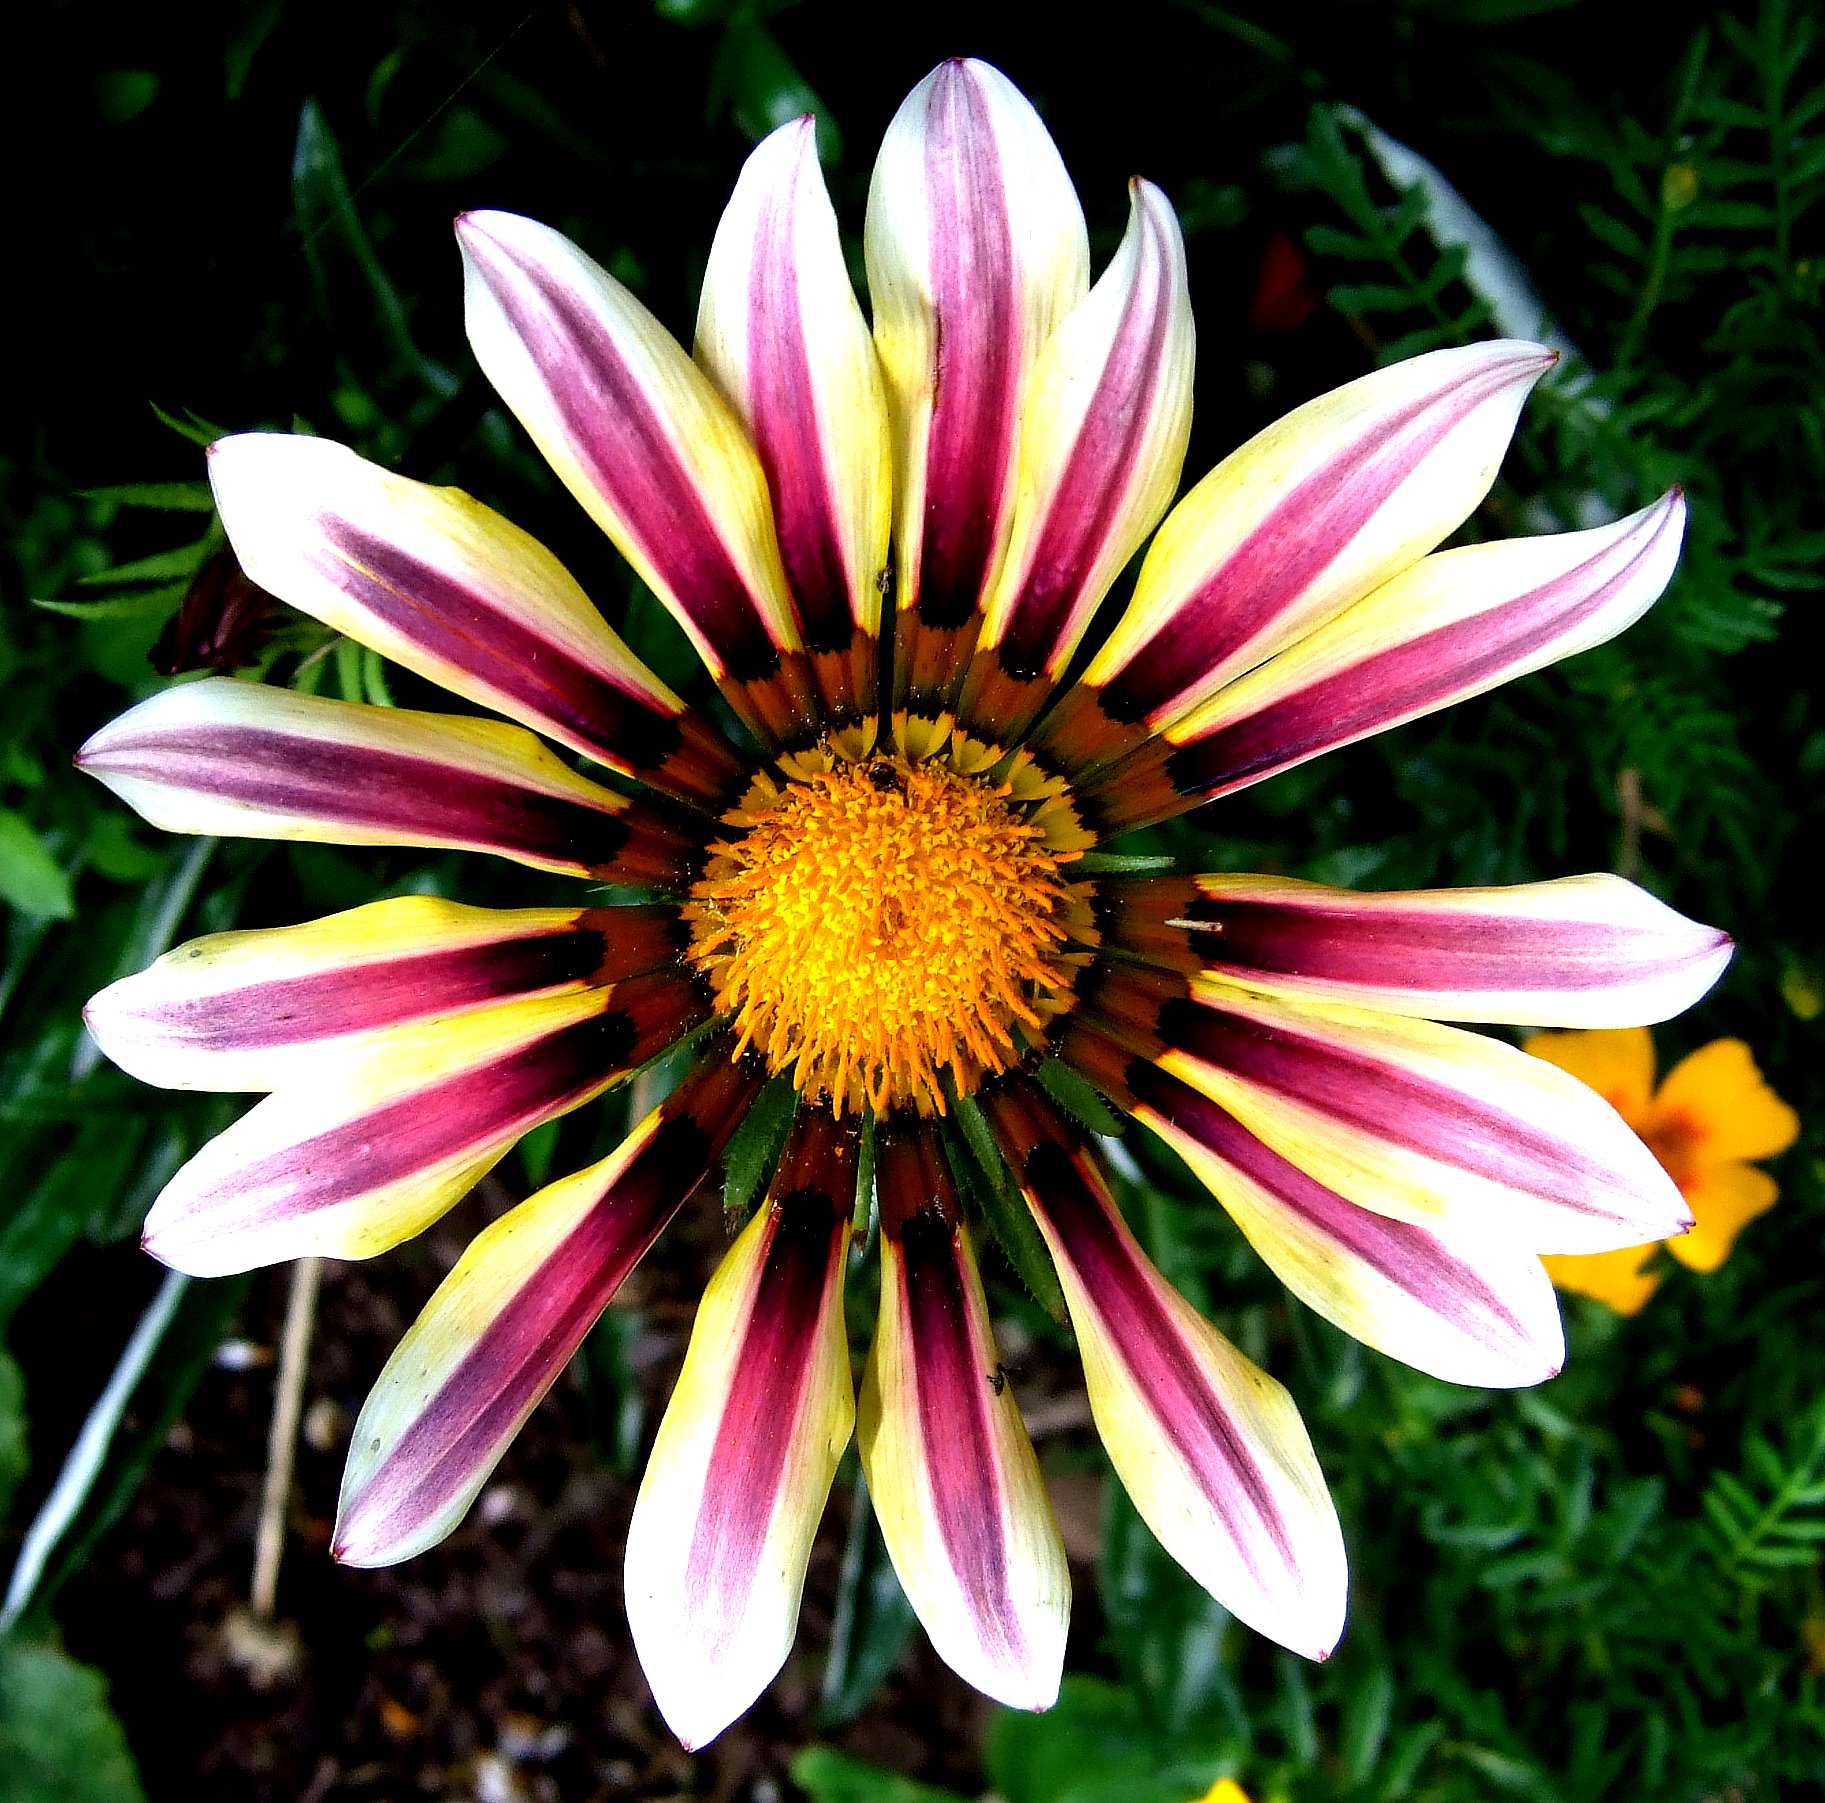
[
  {"x": 31, "y": 880},
  {"x": 192, "y": 426},
  {"x": 754, "y": 1148},
  {"x": 1075, "y": 1095},
  {"x": 59, "y": 1740},
  {"x": 1115, "y": 863},
  {"x": 1096, "y": 1746},
  {"x": 203, "y": 1316},
  {"x": 827, "y": 1776},
  {"x": 14, "y": 1457},
  {"x": 1168, "y": 1633},
  {"x": 159, "y": 567},
  {"x": 165, "y": 497},
  {"x": 872, "y": 1623},
  {"x": 121, "y": 95},
  {"x": 247, "y": 31},
  {"x": 143, "y": 604},
  {"x": 980, "y": 1170}
]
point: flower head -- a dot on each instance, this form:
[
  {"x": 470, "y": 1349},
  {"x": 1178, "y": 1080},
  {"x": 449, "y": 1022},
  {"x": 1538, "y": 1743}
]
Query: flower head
[
  {"x": 888, "y": 544},
  {"x": 1711, "y": 1118}
]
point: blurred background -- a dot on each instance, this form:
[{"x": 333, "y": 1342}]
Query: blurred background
[{"x": 237, "y": 215}]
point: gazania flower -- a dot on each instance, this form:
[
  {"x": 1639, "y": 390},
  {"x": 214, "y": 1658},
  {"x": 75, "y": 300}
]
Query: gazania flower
[
  {"x": 1712, "y": 1115},
  {"x": 881, "y": 884}
]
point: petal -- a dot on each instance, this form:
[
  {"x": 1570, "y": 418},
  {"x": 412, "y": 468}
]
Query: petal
[
  {"x": 1102, "y": 441},
  {"x": 1305, "y": 519},
  {"x": 1725, "y": 1198},
  {"x": 507, "y": 1319},
  {"x": 1446, "y": 1129},
  {"x": 1466, "y": 1308},
  {"x": 1727, "y": 1108},
  {"x": 1620, "y": 1279},
  {"x": 1618, "y": 1063},
  {"x": 254, "y": 1010},
  {"x": 781, "y": 333},
  {"x": 641, "y": 437},
  {"x": 1586, "y": 951},
  {"x": 722, "y": 1528},
  {"x": 447, "y": 588},
  {"x": 956, "y": 1487},
  {"x": 373, "y": 1150},
  {"x": 1456, "y": 625},
  {"x": 251, "y": 762},
  {"x": 1209, "y": 1446},
  {"x": 976, "y": 251}
]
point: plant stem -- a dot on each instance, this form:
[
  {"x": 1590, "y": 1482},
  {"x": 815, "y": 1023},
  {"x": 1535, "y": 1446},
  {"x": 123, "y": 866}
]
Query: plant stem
[{"x": 282, "y": 1443}]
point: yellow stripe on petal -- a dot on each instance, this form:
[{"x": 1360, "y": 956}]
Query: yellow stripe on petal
[
  {"x": 640, "y": 436},
  {"x": 1578, "y": 951},
  {"x": 252, "y": 1010},
  {"x": 497, "y": 1332},
  {"x": 352, "y": 1162},
  {"x": 245, "y": 761},
  {"x": 955, "y": 1484},
  {"x": 1311, "y": 515},
  {"x": 742, "y": 1465},
  {"x": 1455, "y": 625},
  {"x": 506, "y": 1321},
  {"x": 1501, "y": 609},
  {"x": 448, "y": 588},
  {"x": 1424, "y": 1123},
  {"x": 976, "y": 251},
  {"x": 1102, "y": 440},
  {"x": 1210, "y": 1448},
  {"x": 781, "y": 333},
  {"x": 1468, "y": 1309}
]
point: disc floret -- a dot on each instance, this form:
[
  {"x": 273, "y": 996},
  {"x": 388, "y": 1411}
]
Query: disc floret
[{"x": 874, "y": 926}]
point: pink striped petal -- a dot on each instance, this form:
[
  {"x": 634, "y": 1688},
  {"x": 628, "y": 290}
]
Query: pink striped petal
[
  {"x": 245, "y": 761},
  {"x": 1210, "y": 1447},
  {"x": 255, "y": 1010},
  {"x": 1449, "y": 1130},
  {"x": 506, "y": 1321},
  {"x": 1102, "y": 441},
  {"x": 1453, "y": 626},
  {"x": 1305, "y": 519},
  {"x": 780, "y": 332},
  {"x": 722, "y": 1528},
  {"x": 956, "y": 1487},
  {"x": 1584, "y": 951},
  {"x": 1469, "y": 1309},
  {"x": 641, "y": 437},
  {"x": 976, "y": 251},
  {"x": 445, "y": 587},
  {"x": 361, "y": 1156}
]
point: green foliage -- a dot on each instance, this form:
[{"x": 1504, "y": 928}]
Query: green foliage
[
  {"x": 872, "y": 1622},
  {"x": 827, "y": 1776},
  {"x": 14, "y": 1457},
  {"x": 59, "y": 1743}
]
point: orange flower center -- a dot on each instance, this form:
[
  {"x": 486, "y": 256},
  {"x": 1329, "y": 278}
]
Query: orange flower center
[{"x": 873, "y": 927}]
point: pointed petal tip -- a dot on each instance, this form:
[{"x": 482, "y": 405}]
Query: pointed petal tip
[
  {"x": 695, "y": 1715},
  {"x": 347, "y": 1548}
]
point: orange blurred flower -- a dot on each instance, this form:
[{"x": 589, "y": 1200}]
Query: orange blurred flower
[{"x": 1712, "y": 1115}]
